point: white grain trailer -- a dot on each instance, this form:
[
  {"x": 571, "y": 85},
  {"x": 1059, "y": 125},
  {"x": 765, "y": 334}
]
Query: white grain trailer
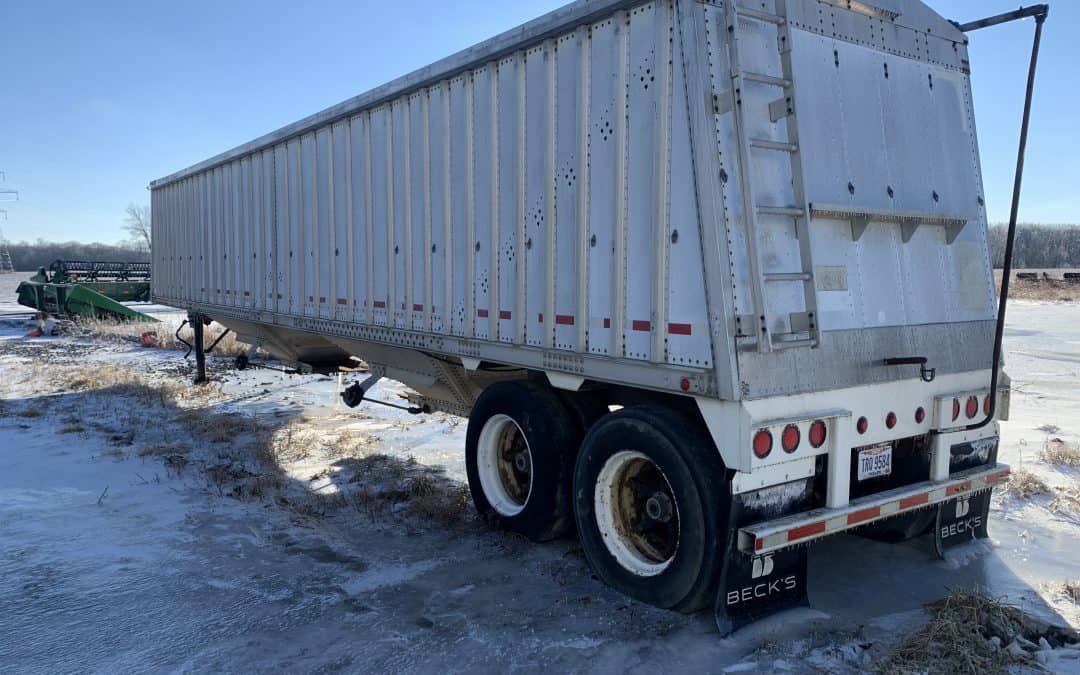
[{"x": 710, "y": 280}]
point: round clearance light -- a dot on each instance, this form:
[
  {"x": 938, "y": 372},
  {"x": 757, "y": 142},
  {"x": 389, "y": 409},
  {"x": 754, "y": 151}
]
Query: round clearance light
[
  {"x": 890, "y": 420},
  {"x": 920, "y": 415},
  {"x": 762, "y": 444},
  {"x": 789, "y": 440},
  {"x": 818, "y": 433},
  {"x": 862, "y": 425},
  {"x": 972, "y": 408},
  {"x": 684, "y": 384},
  {"x": 955, "y": 409}
]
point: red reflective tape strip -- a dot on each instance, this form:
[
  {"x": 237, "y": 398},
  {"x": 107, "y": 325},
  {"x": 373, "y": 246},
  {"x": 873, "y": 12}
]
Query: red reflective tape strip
[
  {"x": 564, "y": 320},
  {"x": 482, "y": 313},
  {"x": 607, "y": 323},
  {"x": 917, "y": 500},
  {"x": 342, "y": 301},
  {"x": 417, "y": 308},
  {"x": 540, "y": 318},
  {"x": 1000, "y": 475},
  {"x": 957, "y": 489},
  {"x": 806, "y": 531},
  {"x": 864, "y": 515},
  {"x": 380, "y": 304},
  {"x": 644, "y": 326},
  {"x": 505, "y": 315},
  {"x": 680, "y": 328}
]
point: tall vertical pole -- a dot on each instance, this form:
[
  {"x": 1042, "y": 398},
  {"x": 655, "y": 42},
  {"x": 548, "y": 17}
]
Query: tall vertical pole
[{"x": 198, "y": 325}]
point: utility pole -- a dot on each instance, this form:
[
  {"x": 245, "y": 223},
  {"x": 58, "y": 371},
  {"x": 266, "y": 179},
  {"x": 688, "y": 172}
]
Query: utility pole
[{"x": 6, "y": 266}]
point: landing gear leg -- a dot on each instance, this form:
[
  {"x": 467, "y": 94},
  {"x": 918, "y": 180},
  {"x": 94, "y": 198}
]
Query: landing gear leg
[{"x": 197, "y": 325}]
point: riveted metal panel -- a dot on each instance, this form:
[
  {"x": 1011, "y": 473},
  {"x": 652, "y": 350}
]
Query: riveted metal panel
[
  {"x": 419, "y": 215},
  {"x": 460, "y": 199},
  {"x": 400, "y": 201},
  {"x": 569, "y": 51},
  {"x": 485, "y": 139},
  {"x": 643, "y": 136},
  {"x": 510, "y": 213},
  {"x": 337, "y": 296},
  {"x": 381, "y": 173},
  {"x": 323, "y": 258},
  {"x": 538, "y": 179},
  {"x": 607, "y": 94},
  {"x": 687, "y": 324}
]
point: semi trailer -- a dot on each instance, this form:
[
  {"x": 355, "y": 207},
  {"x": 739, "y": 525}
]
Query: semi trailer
[{"x": 710, "y": 280}]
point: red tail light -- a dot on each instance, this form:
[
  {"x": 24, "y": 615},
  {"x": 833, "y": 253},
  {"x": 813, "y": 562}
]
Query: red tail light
[
  {"x": 890, "y": 420},
  {"x": 762, "y": 444},
  {"x": 862, "y": 425},
  {"x": 955, "y": 409},
  {"x": 972, "y": 408},
  {"x": 986, "y": 407},
  {"x": 789, "y": 440},
  {"x": 920, "y": 415},
  {"x": 818, "y": 432}
]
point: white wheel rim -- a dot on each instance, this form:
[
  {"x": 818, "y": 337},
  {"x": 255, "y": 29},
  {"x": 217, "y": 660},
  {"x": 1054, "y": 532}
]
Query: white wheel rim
[
  {"x": 504, "y": 463},
  {"x": 617, "y": 511}
]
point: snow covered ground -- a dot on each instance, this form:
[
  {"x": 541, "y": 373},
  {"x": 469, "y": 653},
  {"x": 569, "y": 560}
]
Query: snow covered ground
[{"x": 147, "y": 527}]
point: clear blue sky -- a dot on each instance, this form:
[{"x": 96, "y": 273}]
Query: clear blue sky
[{"x": 99, "y": 98}]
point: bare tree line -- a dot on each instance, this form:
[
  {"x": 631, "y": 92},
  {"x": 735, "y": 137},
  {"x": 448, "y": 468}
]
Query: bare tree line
[
  {"x": 28, "y": 256},
  {"x": 1038, "y": 246}
]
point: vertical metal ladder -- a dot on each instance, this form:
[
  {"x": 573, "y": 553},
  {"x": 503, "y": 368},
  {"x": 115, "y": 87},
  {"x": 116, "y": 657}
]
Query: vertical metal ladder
[{"x": 804, "y": 330}]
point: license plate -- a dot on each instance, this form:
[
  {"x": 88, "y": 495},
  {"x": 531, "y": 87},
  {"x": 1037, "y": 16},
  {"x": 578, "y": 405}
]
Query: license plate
[{"x": 875, "y": 462}]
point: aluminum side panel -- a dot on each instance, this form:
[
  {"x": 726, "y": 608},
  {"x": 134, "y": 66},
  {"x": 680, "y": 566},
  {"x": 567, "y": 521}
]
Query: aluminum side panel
[
  {"x": 608, "y": 49},
  {"x": 510, "y": 214},
  {"x": 484, "y": 208}
]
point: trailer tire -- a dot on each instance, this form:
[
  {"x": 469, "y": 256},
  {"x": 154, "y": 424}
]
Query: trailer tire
[
  {"x": 651, "y": 507},
  {"x": 519, "y": 453}
]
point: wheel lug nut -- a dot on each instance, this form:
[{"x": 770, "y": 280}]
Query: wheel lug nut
[{"x": 659, "y": 507}]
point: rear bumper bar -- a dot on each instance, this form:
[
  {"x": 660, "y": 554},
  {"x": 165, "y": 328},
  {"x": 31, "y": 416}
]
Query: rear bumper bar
[{"x": 801, "y": 528}]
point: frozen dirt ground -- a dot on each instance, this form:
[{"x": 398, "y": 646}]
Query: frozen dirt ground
[{"x": 113, "y": 562}]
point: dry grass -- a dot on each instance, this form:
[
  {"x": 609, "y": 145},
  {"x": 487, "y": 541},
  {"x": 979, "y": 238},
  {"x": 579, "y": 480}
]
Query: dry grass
[
  {"x": 957, "y": 638},
  {"x": 1056, "y": 290},
  {"x": 1060, "y": 453},
  {"x": 164, "y": 335},
  {"x": 1066, "y": 501},
  {"x": 164, "y": 450},
  {"x": 1024, "y": 484},
  {"x": 383, "y": 486},
  {"x": 1068, "y": 591}
]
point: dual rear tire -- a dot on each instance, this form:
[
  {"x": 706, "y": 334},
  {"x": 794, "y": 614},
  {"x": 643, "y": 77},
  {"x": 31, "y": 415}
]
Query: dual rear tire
[
  {"x": 645, "y": 488},
  {"x": 519, "y": 453}
]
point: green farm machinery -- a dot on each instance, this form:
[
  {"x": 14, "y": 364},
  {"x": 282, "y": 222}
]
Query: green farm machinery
[{"x": 76, "y": 289}]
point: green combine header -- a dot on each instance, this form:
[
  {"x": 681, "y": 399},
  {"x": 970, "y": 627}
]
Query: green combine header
[{"x": 97, "y": 290}]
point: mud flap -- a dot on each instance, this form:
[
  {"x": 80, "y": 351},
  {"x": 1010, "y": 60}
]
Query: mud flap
[
  {"x": 753, "y": 587},
  {"x": 961, "y": 521}
]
